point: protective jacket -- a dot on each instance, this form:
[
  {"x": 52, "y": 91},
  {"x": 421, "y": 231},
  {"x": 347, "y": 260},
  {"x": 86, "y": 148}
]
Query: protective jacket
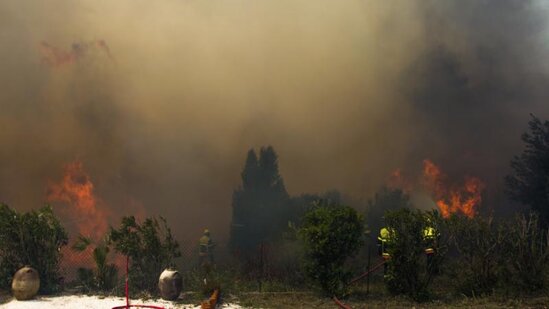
[
  {"x": 205, "y": 243},
  {"x": 385, "y": 240},
  {"x": 429, "y": 237}
]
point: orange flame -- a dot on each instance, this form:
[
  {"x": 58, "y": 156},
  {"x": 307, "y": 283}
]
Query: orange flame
[
  {"x": 450, "y": 200},
  {"x": 75, "y": 191}
]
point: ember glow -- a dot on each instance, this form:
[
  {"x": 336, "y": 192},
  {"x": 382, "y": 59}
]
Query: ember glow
[{"x": 452, "y": 198}]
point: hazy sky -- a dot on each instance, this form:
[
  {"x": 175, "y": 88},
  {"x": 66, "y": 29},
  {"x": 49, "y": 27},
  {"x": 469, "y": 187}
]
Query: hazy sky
[{"x": 161, "y": 100}]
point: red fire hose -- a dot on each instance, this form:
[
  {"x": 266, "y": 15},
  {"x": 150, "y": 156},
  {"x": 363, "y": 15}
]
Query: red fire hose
[
  {"x": 367, "y": 273},
  {"x": 341, "y": 304},
  {"x": 127, "y": 294}
]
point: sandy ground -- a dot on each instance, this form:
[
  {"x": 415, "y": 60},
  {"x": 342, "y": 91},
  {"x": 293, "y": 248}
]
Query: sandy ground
[{"x": 83, "y": 301}]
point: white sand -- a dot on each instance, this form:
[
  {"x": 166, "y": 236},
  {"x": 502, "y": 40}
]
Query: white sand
[{"x": 83, "y": 301}]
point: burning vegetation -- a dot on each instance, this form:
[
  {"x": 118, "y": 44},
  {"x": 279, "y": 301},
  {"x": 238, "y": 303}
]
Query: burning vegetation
[
  {"x": 449, "y": 197},
  {"x": 75, "y": 192},
  {"x": 464, "y": 199}
]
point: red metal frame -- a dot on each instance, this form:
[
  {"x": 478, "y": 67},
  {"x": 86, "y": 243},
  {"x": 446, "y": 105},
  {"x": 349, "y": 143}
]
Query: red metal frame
[{"x": 127, "y": 294}]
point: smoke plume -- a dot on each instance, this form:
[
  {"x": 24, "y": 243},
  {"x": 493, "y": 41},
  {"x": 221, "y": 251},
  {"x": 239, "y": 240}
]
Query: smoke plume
[{"x": 345, "y": 92}]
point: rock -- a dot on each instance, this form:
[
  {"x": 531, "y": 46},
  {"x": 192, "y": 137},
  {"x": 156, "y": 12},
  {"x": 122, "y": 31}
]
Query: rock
[
  {"x": 25, "y": 284},
  {"x": 170, "y": 284}
]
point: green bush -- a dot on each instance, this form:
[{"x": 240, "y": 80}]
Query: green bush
[
  {"x": 331, "y": 234},
  {"x": 408, "y": 271},
  {"x": 35, "y": 239},
  {"x": 150, "y": 247}
]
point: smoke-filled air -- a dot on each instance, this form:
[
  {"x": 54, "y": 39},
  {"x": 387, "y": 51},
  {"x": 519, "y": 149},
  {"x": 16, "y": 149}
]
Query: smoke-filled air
[{"x": 112, "y": 108}]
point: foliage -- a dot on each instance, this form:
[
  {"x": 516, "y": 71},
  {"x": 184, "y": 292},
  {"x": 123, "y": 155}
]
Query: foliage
[
  {"x": 508, "y": 255},
  {"x": 479, "y": 242},
  {"x": 104, "y": 276},
  {"x": 33, "y": 238},
  {"x": 526, "y": 248},
  {"x": 261, "y": 207},
  {"x": 331, "y": 233},
  {"x": 408, "y": 270},
  {"x": 529, "y": 182},
  {"x": 150, "y": 247}
]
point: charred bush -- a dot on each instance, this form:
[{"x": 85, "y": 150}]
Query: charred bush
[
  {"x": 150, "y": 247},
  {"x": 331, "y": 234},
  {"x": 35, "y": 239}
]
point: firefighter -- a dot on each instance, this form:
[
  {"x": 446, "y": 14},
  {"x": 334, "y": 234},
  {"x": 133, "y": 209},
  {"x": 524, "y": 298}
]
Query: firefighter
[
  {"x": 205, "y": 253},
  {"x": 384, "y": 241},
  {"x": 430, "y": 240}
]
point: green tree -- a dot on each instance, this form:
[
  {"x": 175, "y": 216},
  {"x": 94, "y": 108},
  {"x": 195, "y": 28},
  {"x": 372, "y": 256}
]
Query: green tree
[
  {"x": 529, "y": 182},
  {"x": 261, "y": 205},
  {"x": 331, "y": 233},
  {"x": 150, "y": 247},
  {"x": 34, "y": 238}
]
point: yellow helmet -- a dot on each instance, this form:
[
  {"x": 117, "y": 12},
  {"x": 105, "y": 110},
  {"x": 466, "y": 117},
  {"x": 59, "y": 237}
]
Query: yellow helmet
[{"x": 206, "y": 232}]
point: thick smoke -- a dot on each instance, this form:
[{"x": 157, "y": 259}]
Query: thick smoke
[{"x": 163, "y": 111}]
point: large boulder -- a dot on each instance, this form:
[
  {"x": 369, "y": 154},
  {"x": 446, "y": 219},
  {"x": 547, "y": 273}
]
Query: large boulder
[
  {"x": 26, "y": 283},
  {"x": 170, "y": 284}
]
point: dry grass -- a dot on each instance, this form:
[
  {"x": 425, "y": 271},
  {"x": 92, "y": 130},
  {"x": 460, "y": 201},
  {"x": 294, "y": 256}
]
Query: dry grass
[{"x": 311, "y": 300}]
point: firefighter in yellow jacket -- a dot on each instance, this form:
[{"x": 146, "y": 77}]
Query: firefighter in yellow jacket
[
  {"x": 430, "y": 236},
  {"x": 385, "y": 241},
  {"x": 205, "y": 249}
]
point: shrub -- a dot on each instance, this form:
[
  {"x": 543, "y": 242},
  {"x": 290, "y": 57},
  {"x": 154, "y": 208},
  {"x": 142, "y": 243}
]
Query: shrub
[
  {"x": 408, "y": 271},
  {"x": 331, "y": 234},
  {"x": 150, "y": 247},
  {"x": 35, "y": 239},
  {"x": 479, "y": 242},
  {"x": 526, "y": 249},
  {"x": 104, "y": 276}
]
